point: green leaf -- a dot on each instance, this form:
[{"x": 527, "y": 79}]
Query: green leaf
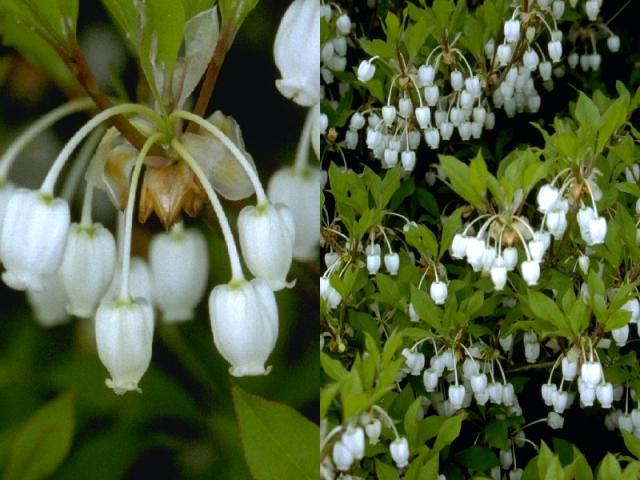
[
  {"x": 386, "y": 472},
  {"x": 423, "y": 240},
  {"x": 496, "y": 433},
  {"x": 279, "y": 443},
  {"x": 477, "y": 459},
  {"x": 35, "y": 50},
  {"x": 332, "y": 367},
  {"x": 235, "y": 11},
  {"x": 459, "y": 176},
  {"x": 546, "y": 309},
  {"x": 43, "y": 442},
  {"x": 450, "y": 227},
  {"x": 609, "y": 468},
  {"x": 632, "y": 443},
  {"x": 161, "y": 40},
  {"x": 448, "y": 433}
]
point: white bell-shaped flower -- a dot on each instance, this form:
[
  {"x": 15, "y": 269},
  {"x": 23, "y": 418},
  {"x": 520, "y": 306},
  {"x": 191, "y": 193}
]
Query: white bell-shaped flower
[
  {"x": 267, "y": 235},
  {"x": 353, "y": 439},
  {"x": 297, "y": 52},
  {"x": 244, "y": 322},
  {"x": 49, "y": 304},
  {"x": 438, "y": 292},
  {"x": 342, "y": 456},
  {"x": 399, "y": 449},
  {"x": 34, "y": 234},
  {"x": 124, "y": 336},
  {"x": 87, "y": 267},
  {"x": 179, "y": 270},
  {"x": 6, "y": 190},
  {"x": 300, "y": 191}
]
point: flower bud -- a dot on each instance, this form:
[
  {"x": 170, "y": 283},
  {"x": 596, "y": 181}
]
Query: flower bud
[
  {"x": 506, "y": 342},
  {"x": 299, "y": 190},
  {"x": 244, "y": 322},
  {"x": 34, "y": 233},
  {"x": 399, "y": 449},
  {"x": 297, "y": 52},
  {"x": 506, "y": 458},
  {"x": 179, "y": 269},
  {"x": 124, "y": 336},
  {"x": 87, "y": 267},
  {"x": 266, "y": 239},
  {"x": 438, "y": 292}
]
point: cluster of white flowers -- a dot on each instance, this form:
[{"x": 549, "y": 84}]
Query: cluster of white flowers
[
  {"x": 477, "y": 382},
  {"x": 445, "y": 95},
  {"x": 333, "y": 52},
  {"x": 349, "y": 444},
  {"x": 493, "y": 249},
  {"x": 80, "y": 268}
]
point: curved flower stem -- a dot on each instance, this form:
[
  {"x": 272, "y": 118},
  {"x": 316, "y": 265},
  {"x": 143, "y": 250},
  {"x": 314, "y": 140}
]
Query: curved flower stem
[
  {"x": 302, "y": 151},
  {"x": 387, "y": 419},
  {"x": 54, "y": 172},
  {"x": 87, "y": 202},
  {"x": 128, "y": 223},
  {"x": 77, "y": 172},
  {"x": 36, "y": 128},
  {"x": 232, "y": 147},
  {"x": 234, "y": 257}
]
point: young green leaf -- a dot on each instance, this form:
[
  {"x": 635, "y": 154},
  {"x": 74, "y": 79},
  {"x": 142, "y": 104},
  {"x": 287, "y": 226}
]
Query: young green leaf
[
  {"x": 43, "y": 442},
  {"x": 279, "y": 443}
]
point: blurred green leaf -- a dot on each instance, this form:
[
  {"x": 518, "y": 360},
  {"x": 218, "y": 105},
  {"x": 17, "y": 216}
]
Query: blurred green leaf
[
  {"x": 279, "y": 443},
  {"x": 43, "y": 442}
]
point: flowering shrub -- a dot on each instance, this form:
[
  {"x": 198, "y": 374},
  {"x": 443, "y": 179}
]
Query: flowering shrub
[
  {"x": 164, "y": 159},
  {"x": 479, "y": 291}
]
